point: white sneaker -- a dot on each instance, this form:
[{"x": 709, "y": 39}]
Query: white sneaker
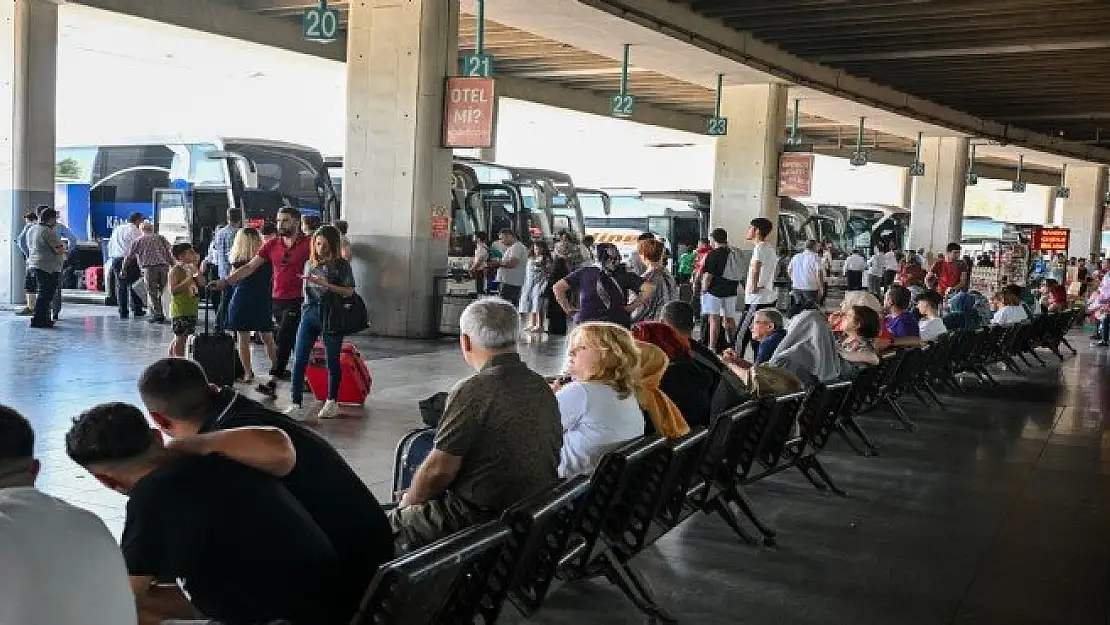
[
  {"x": 297, "y": 413},
  {"x": 329, "y": 411}
]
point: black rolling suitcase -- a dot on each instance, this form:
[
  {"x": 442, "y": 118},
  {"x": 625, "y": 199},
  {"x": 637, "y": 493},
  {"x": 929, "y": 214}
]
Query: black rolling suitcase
[{"x": 215, "y": 352}]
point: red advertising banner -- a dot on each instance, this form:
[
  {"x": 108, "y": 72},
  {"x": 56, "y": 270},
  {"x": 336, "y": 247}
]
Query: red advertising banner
[
  {"x": 1051, "y": 240},
  {"x": 468, "y": 112},
  {"x": 441, "y": 227},
  {"x": 795, "y": 174}
]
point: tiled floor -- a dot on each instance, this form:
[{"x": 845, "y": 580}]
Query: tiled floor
[{"x": 996, "y": 511}]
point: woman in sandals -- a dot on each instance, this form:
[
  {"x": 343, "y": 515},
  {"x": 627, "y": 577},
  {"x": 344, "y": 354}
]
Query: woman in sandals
[{"x": 248, "y": 308}]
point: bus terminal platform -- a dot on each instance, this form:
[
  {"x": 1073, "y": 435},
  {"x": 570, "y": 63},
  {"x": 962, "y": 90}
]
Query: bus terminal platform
[{"x": 994, "y": 511}]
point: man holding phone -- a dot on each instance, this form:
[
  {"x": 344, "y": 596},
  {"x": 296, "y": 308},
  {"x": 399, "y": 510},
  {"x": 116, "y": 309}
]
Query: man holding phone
[{"x": 287, "y": 255}]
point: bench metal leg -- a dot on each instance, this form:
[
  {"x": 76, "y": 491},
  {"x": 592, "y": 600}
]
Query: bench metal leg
[
  {"x": 742, "y": 502},
  {"x": 985, "y": 375},
  {"x": 805, "y": 469},
  {"x": 849, "y": 423},
  {"x": 816, "y": 465},
  {"x": 719, "y": 506},
  {"x": 928, "y": 386},
  {"x": 903, "y": 418},
  {"x": 635, "y": 587},
  {"x": 1066, "y": 344}
]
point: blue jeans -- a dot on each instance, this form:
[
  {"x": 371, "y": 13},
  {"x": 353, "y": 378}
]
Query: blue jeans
[{"x": 312, "y": 326}]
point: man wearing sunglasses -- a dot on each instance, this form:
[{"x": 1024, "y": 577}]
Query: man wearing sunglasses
[{"x": 286, "y": 254}]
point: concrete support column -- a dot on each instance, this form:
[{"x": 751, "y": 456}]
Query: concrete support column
[
  {"x": 28, "y": 70},
  {"x": 937, "y": 209},
  {"x": 396, "y": 174},
  {"x": 907, "y": 189},
  {"x": 1082, "y": 211},
  {"x": 745, "y": 180}
]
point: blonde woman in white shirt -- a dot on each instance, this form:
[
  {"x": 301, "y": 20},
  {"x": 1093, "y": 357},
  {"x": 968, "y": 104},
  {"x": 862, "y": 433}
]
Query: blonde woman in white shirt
[{"x": 599, "y": 407}]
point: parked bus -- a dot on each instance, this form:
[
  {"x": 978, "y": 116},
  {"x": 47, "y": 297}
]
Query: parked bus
[{"x": 186, "y": 186}]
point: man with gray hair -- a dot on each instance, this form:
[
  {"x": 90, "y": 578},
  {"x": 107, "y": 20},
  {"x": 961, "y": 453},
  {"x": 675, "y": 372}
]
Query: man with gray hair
[{"x": 498, "y": 441}]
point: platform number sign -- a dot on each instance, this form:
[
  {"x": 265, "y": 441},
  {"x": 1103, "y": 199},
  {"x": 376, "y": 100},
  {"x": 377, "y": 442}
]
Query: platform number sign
[
  {"x": 917, "y": 169},
  {"x": 1063, "y": 193},
  {"x": 622, "y": 105},
  {"x": 859, "y": 158},
  {"x": 716, "y": 126},
  {"x": 1018, "y": 186},
  {"x": 972, "y": 179},
  {"x": 320, "y": 23},
  {"x": 477, "y": 66}
]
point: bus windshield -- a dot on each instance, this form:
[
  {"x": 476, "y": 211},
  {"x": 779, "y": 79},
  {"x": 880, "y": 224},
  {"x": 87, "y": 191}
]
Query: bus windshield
[{"x": 297, "y": 174}]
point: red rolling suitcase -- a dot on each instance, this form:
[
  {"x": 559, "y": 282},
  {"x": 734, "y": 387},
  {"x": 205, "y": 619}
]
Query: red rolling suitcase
[
  {"x": 94, "y": 278},
  {"x": 355, "y": 384}
]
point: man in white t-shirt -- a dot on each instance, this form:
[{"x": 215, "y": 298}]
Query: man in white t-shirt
[
  {"x": 806, "y": 273},
  {"x": 875, "y": 269},
  {"x": 854, "y": 266},
  {"x": 931, "y": 326},
  {"x": 890, "y": 265},
  {"x": 511, "y": 267},
  {"x": 759, "y": 290},
  {"x": 58, "y": 564}
]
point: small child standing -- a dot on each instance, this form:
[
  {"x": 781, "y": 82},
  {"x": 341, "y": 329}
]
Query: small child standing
[{"x": 184, "y": 296}]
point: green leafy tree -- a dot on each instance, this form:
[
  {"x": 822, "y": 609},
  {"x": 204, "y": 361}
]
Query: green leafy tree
[{"x": 67, "y": 168}]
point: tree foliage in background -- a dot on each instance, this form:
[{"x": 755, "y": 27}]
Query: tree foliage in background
[{"x": 67, "y": 168}]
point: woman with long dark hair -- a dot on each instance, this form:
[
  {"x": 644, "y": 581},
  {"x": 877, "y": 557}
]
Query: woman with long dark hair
[
  {"x": 533, "y": 302},
  {"x": 327, "y": 277}
]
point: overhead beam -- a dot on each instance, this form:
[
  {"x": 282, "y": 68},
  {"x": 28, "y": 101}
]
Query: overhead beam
[
  {"x": 219, "y": 18},
  {"x": 285, "y": 5},
  {"x": 681, "y": 23},
  {"x": 1077, "y": 117},
  {"x": 588, "y": 101},
  {"x": 939, "y": 53},
  {"x": 1032, "y": 175}
]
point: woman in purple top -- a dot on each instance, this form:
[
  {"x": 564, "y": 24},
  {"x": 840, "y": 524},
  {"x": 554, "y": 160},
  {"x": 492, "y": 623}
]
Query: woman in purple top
[{"x": 602, "y": 289}]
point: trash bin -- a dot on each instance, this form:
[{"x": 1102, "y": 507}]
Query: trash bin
[{"x": 452, "y": 297}]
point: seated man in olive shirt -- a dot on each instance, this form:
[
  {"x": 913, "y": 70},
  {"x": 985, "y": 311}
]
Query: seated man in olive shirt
[{"x": 497, "y": 443}]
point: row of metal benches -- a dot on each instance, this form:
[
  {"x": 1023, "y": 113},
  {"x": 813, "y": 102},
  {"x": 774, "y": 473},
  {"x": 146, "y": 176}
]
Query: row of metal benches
[{"x": 595, "y": 526}]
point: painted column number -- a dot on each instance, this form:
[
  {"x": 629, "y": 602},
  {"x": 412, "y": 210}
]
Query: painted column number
[{"x": 622, "y": 105}]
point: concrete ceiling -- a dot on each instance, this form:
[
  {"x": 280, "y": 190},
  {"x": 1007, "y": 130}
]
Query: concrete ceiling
[
  {"x": 522, "y": 53},
  {"x": 564, "y": 52},
  {"x": 1044, "y": 66}
]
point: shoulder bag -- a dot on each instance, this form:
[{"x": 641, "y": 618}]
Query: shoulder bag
[{"x": 343, "y": 315}]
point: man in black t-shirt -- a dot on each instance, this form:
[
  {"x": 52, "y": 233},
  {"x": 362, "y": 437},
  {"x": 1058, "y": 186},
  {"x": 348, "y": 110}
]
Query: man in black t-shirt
[
  {"x": 718, "y": 300},
  {"x": 204, "y": 419},
  {"x": 246, "y": 550}
]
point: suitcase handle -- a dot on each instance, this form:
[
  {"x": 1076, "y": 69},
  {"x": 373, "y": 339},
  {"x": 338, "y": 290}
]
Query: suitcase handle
[{"x": 208, "y": 289}]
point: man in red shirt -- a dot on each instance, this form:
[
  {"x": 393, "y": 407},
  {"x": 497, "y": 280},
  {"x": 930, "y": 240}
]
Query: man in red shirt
[
  {"x": 949, "y": 270},
  {"x": 287, "y": 254}
]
